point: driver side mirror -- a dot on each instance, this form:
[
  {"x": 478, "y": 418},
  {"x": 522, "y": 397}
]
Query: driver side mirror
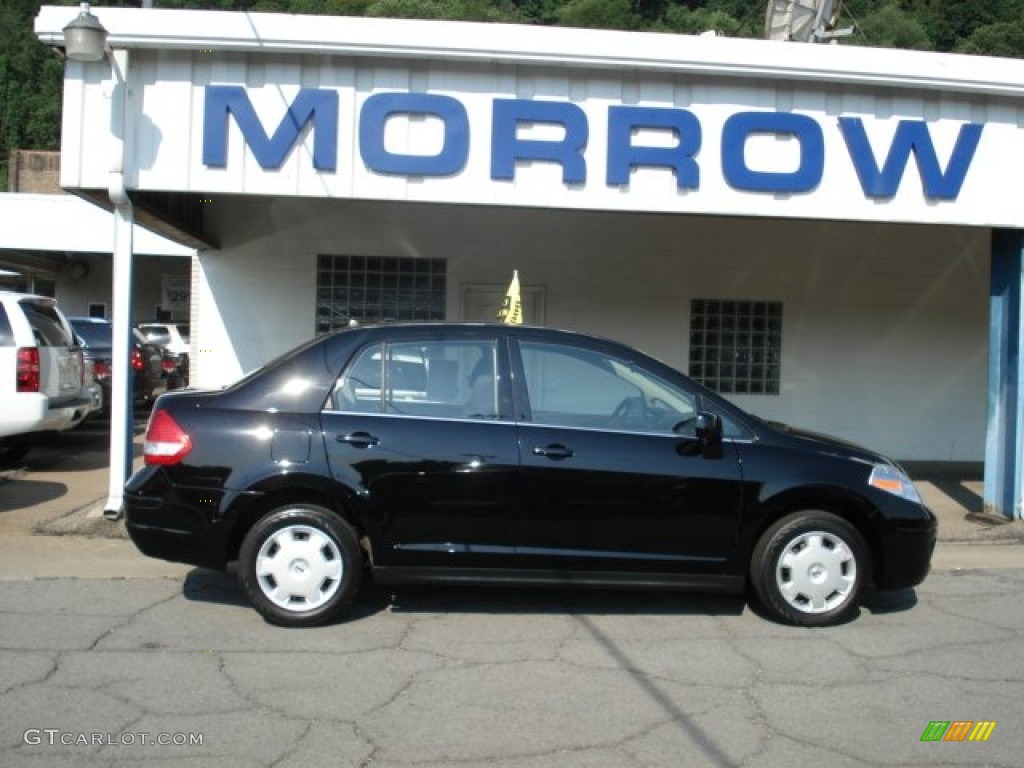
[{"x": 708, "y": 429}]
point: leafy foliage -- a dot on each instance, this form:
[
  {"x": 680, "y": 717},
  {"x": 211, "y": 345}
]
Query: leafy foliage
[{"x": 30, "y": 74}]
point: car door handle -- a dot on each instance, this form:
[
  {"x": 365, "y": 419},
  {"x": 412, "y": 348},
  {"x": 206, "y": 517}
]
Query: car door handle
[
  {"x": 554, "y": 451},
  {"x": 359, "y": 439}
]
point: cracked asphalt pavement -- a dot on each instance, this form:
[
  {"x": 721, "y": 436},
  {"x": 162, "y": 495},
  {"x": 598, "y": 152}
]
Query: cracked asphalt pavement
[
  {"x": 511, "y": 678},
  {"x": 110, "y": 659}
]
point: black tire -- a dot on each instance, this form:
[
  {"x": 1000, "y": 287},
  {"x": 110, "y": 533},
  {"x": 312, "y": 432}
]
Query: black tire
[
  {"x": 810, "y": 569},
  {"x": 319, "y": 570},
  {"x": 13, "y": 450}
]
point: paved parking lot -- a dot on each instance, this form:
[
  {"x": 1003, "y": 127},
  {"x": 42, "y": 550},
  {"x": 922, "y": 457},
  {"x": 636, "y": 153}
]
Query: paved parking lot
[{"x": 518, "y": 679}]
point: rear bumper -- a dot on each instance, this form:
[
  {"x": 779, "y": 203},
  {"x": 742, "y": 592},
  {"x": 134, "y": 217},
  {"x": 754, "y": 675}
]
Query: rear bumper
[
  {"x": 174, "y": 526},
  {"x": 34, "y": 412}
]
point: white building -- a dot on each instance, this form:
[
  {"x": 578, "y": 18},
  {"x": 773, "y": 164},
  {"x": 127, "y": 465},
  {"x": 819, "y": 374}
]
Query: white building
[{"x": 829, "y": 234}]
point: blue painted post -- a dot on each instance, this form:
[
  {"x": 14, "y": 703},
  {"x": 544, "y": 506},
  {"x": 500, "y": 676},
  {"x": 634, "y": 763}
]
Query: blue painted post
[{"x": 1003, "y": 454}]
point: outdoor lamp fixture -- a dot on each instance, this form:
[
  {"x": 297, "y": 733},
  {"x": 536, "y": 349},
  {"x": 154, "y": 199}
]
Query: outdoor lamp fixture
[{"x": 85, "y": 39}]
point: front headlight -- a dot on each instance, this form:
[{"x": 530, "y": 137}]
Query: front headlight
[{"x": 891, "y": 479}]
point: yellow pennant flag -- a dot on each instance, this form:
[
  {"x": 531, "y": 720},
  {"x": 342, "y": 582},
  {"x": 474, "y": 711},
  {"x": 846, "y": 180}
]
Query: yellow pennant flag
[{"x": 511, "y": 312}]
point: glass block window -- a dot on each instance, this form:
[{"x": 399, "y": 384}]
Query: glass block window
[
  {"x": 736, "y": 346},
  {"x": 371, "y": 289}
]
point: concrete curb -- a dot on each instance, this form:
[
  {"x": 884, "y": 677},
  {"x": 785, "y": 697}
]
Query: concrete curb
[{"x": 87, "y": 520}]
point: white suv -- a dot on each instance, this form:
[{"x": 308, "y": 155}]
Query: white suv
[{"x": 44, "y": 383}]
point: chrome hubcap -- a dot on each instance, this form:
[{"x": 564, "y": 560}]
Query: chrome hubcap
[
  {"x": 817, "y": 572},
  {"x": 299, "y": 568}
]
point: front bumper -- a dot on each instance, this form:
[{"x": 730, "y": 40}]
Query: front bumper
[{"x": 908, "y": 553}]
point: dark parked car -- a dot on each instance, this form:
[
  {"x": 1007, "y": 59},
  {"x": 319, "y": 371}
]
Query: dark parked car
[
  {"x": 173, "y": 339},
  {"x": 149, "y": 377},
  {"x": 508, "y": 455}
]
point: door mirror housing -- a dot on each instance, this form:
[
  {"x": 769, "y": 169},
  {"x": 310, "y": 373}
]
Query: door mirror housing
[{"x": 708, "y": 429}]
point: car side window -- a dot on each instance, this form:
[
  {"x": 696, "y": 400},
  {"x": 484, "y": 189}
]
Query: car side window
[
  {"x": 434, "y": 379},
  {"x": 575, "y": 387}
]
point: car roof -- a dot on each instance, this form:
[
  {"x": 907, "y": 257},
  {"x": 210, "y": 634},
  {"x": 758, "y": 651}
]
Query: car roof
[
  {"x": 476, "y": 329},
  {"x": 20, "y": 296},
  {"x": 411, "y": 327}
]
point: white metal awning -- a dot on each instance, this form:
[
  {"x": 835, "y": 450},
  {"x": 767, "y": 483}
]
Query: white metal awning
[{"x": 68, "y": 224}]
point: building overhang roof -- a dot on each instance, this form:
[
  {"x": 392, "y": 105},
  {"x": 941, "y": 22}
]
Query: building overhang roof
[
  {"x": 83, "y": 227},
  {"x": 474, "y": 42}
]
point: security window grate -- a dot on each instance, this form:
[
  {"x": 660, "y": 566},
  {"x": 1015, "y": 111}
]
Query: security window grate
[
  {"x": 370, "y": 289},
  {"x": 736, "y": 346}
]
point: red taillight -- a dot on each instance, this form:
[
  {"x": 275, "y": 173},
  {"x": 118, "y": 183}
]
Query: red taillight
[
  {"x": 136, "y": 360},
  {"x": 100, "y": 369},
  {"x": 166, "y": 442},
  {"x": 28, "y": 375}
]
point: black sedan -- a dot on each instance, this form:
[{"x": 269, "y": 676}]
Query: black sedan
[
  {"x": 494, "y": 454},
  {"x": 150, "y": 377}
]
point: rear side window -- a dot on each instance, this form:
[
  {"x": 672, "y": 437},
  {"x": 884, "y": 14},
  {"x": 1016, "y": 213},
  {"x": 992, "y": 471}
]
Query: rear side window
[
  {"x": 6, "y": 332},
  {"x": 438, "y": 379},
  {"x": 46, "y": 325}
]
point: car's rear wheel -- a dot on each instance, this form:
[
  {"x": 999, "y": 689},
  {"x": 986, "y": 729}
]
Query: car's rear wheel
[
  {"x": 810, "y": 568},
  {"x": 300, "y": 565}
]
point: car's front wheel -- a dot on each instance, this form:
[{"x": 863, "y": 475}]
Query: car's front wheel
[
  {"x": 300, "y": 565},
  {"x": 810, "y": 569}
]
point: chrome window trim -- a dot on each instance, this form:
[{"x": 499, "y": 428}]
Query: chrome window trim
[{"x": 668, "y": 435}]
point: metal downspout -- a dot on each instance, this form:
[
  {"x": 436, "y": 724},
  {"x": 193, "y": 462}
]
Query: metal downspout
[{"x": 121, "y": 453}]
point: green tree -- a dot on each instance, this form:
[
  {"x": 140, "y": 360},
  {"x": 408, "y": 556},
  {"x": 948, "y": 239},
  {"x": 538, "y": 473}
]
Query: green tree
[
  {"x": 890, "y": 26},
  {"x": 460, "y": 10},
  {"x": 688, "y": 21},
  {"x": 30, "y": 86},
  {"x": 597, "y": 14},
  {"x": 1004, "y": 38},
  {"x": 951, "y": 21}
]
